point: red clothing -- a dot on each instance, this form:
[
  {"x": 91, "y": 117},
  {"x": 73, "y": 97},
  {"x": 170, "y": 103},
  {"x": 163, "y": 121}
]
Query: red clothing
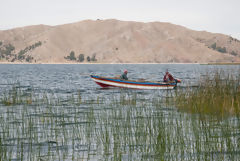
[{"x": 168, "y": 77}]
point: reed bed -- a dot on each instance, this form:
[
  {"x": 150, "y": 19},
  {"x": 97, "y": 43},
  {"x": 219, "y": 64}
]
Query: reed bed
[
  {"x": 124, "y": 126},
  {"x": 216, "y": 95}
]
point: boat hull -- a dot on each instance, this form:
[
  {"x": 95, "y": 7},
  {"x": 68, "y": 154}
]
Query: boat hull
[{"x": 114, "y": 82}]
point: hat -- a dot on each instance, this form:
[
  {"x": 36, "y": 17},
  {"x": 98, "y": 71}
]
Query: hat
[{"x": 125, "y": 71}]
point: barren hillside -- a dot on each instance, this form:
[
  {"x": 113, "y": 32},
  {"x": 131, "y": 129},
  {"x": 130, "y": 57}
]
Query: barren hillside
[{"x": 113, "y": 41}]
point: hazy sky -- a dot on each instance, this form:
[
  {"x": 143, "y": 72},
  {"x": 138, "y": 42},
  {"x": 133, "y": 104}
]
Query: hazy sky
[{"x": 221, "y": 16}]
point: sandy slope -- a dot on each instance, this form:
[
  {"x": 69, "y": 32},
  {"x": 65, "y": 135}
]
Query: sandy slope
[{"x": 116, "y": 41}]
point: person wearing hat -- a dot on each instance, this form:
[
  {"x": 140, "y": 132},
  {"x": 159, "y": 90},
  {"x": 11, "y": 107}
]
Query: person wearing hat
[
  {"x": 124, "y": 75},
  {"x": 168, "y": 77}
]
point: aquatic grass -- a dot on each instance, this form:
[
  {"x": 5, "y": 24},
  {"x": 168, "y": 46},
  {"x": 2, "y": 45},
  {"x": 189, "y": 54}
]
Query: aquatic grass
[
  {"x": 124, "y": 126},
  {"x": 218, "y": 95},
  {"x": 17, "y": 96}
]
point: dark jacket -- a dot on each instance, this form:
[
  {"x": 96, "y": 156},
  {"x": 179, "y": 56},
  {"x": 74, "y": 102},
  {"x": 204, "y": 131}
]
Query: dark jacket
[
  {"x": 124, "y": 76},
  {"x": 168, "y": 77}
]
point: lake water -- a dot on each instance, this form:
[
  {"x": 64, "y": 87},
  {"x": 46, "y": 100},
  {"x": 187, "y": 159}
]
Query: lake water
[
  {"x": 61, "y": 114},
  {"x": 68, "y": 78}
]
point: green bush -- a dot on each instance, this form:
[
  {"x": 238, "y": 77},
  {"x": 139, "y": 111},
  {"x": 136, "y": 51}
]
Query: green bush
[
  {"x": 218, "y": 48},
  {"x": 0, "y": 53},
  {"x": 10, "y": 47},
  {"x": 71, "y": 56},
  {"x": 222, "y": 50},
  {"x": 81, "y": 57},
  {"x": 8, "y": 50},
  {"x": 29, "y": 58},
  {"x": 21, "y": 55},
  {"x": 88, "y": 59},
  {"x": 93, "y": 58},
  {"x": 213, "y": 46},
  {"x": 39, "y": 43}
]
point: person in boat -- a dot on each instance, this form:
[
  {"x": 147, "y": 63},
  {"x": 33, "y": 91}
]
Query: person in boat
[
  {"x": 168, "y": 77},
  {"x": 124, "y": 75}
]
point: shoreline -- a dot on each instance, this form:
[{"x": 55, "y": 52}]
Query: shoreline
[
  {"x": 92, "y": 63},
  {"x": 223, "y": 63}
]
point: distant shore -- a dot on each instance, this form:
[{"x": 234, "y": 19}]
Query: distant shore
[
  {"x": 90, "y": 63},
  {"x": 212, "y": 63},
  {"x": 222, "y": 63}
]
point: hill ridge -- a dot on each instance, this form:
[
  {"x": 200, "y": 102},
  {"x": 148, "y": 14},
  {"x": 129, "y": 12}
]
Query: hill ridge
[{"x": 115, "y": 41}]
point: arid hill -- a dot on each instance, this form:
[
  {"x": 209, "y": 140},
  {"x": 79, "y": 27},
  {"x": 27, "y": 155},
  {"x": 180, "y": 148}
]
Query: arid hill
[{"x": 114, "y": 41}]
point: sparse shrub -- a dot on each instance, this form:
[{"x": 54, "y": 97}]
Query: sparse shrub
[
  {"x": 88, "y": 59},
  {"x": 31, "y": 47},
  {"x": 29, "y": 58},
  {"x": 81, "y": 57},
  {"x": 21, "y": 55},
  {"x": 13, "y": 60},
  {"x": 218, "y": 48},
  {"x": 39, "y": 43},
  {"x": 8, "y": 49},
  {"x": 71, "y": 56},
  {"x": 93, "y": 58},
  {"x": 222, "y": 50},
  {"x": 213, "y": 46},
  {"x": 0, "y": 53},
  {"x": 233, "y": 53},
  {"x": 233, "y": 39}
]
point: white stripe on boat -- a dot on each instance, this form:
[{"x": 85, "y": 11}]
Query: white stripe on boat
[{"x": 123, "y": 85}]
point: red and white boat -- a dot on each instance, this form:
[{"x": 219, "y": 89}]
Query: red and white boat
[{"x": 106, "y": 82}]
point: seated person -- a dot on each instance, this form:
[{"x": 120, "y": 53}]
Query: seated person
[
  {"x": 168, "y": 77},
  {"x": 124, "y": 75}
]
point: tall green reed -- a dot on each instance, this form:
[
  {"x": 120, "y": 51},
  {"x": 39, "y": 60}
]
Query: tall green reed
[
  {"x": 123, "y": 127},
  {"x": 217, "y": 95}
]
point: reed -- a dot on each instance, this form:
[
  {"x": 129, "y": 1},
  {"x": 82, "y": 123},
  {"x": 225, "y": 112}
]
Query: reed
[
  {"x": 124, "y": 126},
  {"x": 218, "y": 95}
]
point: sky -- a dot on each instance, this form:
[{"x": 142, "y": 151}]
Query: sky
[{"x": 218, "y": 16}]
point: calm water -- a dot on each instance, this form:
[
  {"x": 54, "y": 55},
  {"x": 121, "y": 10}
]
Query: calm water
[
  {"x": 69, "y": 117},
  {"x": 71, "y": 78}
]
